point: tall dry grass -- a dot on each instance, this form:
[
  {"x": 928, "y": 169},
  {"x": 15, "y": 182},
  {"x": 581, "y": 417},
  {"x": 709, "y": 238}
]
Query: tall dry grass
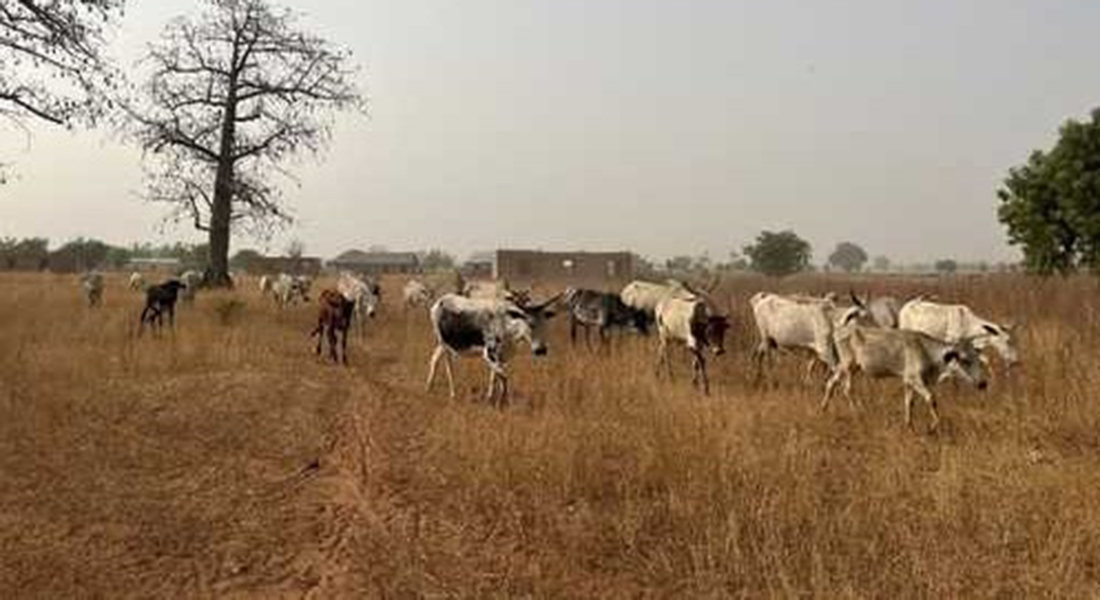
[{"x": 226, "y": 460}]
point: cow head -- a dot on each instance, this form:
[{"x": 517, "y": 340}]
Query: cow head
[
  {"x": 528, "y": 322},
  {"x": 963, "y": 361},
  {"x": 715, "y": 332},
  {"x": 999, "y": 338}
]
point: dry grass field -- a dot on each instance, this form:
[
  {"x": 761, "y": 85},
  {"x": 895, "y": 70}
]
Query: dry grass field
[{"x": 226, "y": 460}]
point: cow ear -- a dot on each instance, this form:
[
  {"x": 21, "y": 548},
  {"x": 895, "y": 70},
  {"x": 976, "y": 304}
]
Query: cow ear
[
  {"x": 950, "y": 356},
  {"x": 991, "y": 330}
]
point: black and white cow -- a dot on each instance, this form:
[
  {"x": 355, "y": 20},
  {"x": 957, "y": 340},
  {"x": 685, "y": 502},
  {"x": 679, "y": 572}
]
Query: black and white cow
[
  {"x": 489, "y": 326},
  {"x": 602, "y": 310}
]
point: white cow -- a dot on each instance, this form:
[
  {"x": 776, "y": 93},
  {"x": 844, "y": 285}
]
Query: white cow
[
  {"x": 645, "y": 295},
  {"x": 489, "y": 326},
  {"x": 416, "y": 293},
  {"x": 955, "y": 322},
  {"x": 192, "y": 280},
  {"x": 136, "y": 282},
  {"x": 691, "y": 323},
  {"x": 287, "y": 290},
  {"x": 92, "y": 285},
  {"x": 363, "y": 293},
  {"x": 267, "y": 285},
  {"x": 799, "y": 323},
  {"x": 920, "y": 361}
]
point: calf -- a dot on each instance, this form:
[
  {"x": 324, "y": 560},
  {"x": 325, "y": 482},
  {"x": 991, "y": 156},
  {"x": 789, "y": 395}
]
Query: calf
[
  {"x": 920, "y": 360},
  {"x": 690, "y": 322},
  {"x": 603, "y": 310},
  {"x": 160, "y": 299},
  {"x": 489, "y": 326},
  {"x": 92, "y": 285},
  {"x": 334, "y": 318}
]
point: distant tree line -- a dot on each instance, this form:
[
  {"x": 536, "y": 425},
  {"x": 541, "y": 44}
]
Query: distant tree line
[{"x": 82, "y": 254}]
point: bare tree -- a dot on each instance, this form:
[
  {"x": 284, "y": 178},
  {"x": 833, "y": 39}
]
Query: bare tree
[
  {"x": 233, "y": 94},
  {"x": 51, "y": 65}
]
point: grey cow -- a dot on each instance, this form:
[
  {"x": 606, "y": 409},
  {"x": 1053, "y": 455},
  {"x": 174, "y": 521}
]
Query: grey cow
[
  {"x": 603, "y": 310},
  {"x": 920, "y": 360}
]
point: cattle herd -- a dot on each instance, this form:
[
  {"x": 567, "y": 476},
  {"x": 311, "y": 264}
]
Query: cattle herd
[{"x": 919, "y": 342}]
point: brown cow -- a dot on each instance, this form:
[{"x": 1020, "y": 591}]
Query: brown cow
[{"x": 335, "y": 316}]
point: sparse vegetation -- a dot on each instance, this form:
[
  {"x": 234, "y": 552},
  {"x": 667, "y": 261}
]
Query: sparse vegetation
[{"x": 229, "y": 462}]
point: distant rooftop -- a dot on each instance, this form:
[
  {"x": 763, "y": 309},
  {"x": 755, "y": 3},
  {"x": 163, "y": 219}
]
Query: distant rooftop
[{"x": 359, "y": 257}]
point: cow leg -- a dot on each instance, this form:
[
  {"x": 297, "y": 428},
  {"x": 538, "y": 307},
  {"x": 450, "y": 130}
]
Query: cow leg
[
  {"x": 332, "y": 342},
  {"x": 830, "y": 386},
  {"x": 908, "y": 406},
  {"x": 491, "y": 389},
  {"x": 699, "y": 368},
  {"x": 662, "y": 358},
  {"x": 344, "y": 344},
  {"x": 318, "y": 332},
  {"x": 930, "y": 400},
  {"x": 432, "y": 364},
  {"x": 450, "y": 373},
  {"x": 171, "y": 316},
  {"x": 572, "y": 329}
]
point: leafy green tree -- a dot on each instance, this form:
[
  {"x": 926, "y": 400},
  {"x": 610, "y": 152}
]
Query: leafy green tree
[
  {"x": 848, "y": 257},
  {"x": 245, "y": 260},
  {"x": 1051, "y": 204},
  {"x": 881, "y": 263},
  {"x": 947, "y": 266},
  {"x": 779, "y": 253},
  {"x": 79, "y": 255}
]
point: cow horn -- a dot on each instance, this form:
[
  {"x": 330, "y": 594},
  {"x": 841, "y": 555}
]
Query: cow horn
[
  {"x": 855, "y": 299},
  {"x": 547, "y": 303}
]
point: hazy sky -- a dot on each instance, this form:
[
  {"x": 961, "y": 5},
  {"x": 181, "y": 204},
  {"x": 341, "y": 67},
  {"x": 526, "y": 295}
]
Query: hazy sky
[{"x": 664, "y": 127}]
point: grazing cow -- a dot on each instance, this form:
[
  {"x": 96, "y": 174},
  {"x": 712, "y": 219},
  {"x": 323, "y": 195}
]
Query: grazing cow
[
  {"x": 192, "y": 281},
  {"x": 287, "y": 290},
  {"x": 160, "y": 299},
  {"x": 334, "y": 319},
  {"x": 690, "y": 322},
  {"x": 304, "y": 284},
  {"x": 799, "y": 323},
  {"x": 920, "y": 361},
  {"x": 645, "y": 296},
  {"x": 466, "y": 325},
  {"x": 92, "y": 285},
  {"x": 364, "y": 295},
  {"x": 884, "y": 311},
  {"x": 415, "y": 293},
  {"x": 955, "y": 322},
  {"x": 603, "y": 310},
  {"x": 267, "y": 285},
  {"x": 136, "y": 282}
]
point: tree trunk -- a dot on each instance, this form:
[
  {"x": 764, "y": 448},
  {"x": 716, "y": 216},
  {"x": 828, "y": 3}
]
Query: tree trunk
[
  {"x": 221, "y": 214},
  {"x": 217, "y": 273}
]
